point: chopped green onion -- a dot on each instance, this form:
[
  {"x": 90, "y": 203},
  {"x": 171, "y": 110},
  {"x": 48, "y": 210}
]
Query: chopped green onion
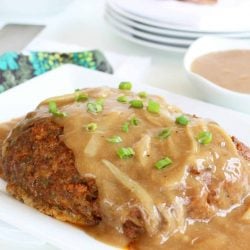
[
  {"x": 123, "y": 99},
  {"x": 153, "y": 107},
  {"x": 52, "y": 107},
  {"x": 54, "y": 110},
  {"x": 125, "y": 127},
  {"x": 142, "y": 94},
  {"x": 100, "y": 101},
  {"x": 182, "y": 120},
  {"x": 165, "y": 133},
  {"x": 138, "y": 104},
  {"x": 204, "y": 137},
  {"x": 134, "y": 121},
  {"x": 91, "y": 127},
  {"x": 125, "y": 153},
  {"x": 163, "y": 163},
  {"x": 114, "y": 139},
  {"x": 81, "y": 96},
  {"x": 94, "y": 107},
  {"x": 125, "y": 86}
]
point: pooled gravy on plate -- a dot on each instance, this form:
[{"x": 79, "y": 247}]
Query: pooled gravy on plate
[
  {"x": 195, "y": 202},
  {"x": 228, "y": 69}
]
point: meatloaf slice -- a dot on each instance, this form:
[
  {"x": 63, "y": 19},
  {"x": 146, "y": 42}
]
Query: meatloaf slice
[{"x": 40, "y": 171}]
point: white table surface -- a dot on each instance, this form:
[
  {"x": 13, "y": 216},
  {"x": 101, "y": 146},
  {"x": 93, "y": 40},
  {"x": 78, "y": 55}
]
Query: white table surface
[{"x": 83, "y": 24}]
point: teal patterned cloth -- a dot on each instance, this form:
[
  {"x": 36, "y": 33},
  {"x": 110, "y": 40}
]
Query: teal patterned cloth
[{"x": 17, "y": 68}]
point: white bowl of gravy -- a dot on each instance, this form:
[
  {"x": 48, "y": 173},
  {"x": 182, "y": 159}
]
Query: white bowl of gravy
[{"x": 219, "y": 68}]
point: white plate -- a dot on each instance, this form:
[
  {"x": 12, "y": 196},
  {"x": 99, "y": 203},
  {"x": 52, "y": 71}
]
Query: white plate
[
  {"x": 141, "y": 41},
  {"x": 147, "y": 36},
  {"x": 147, "y": 43},
  {"x": 147, "y": 28},
  {"x": 24, "y": 98},
  {"x": 165, "y": 31},
  {"x": 186, "y": 17}
]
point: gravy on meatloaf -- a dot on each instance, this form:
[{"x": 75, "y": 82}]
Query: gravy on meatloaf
[{"x": 196, "y": 201}]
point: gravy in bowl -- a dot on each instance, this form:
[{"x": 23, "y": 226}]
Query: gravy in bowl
[{"x": 227, "y": 69}]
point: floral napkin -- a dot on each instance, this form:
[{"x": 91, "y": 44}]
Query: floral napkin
[{"x": 17, "y": 68}]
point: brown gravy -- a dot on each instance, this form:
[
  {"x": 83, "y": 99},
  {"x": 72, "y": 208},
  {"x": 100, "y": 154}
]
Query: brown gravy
[
  {"x": 228, "y": 69},
  {"x": 231, "y": 232},
  {"x": 228, "y": 233}
]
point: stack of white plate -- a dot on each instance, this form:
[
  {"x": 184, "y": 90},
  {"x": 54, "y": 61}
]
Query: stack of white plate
[{"x": 174, "y": 25}]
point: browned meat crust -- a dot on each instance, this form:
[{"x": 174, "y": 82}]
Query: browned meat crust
[
  {"x": 242, "y": 148},
  {"x": 40, "y": 171},
  {"x": 132, "y": 230},
  {"x": 4, "y": 131},
  {"x": 134, "y": 225}
]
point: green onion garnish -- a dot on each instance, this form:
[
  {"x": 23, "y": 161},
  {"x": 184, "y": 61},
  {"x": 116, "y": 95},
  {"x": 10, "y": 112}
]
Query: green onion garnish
[
  {"x": 125, "y": 153},
  {"x": 54, "y": 110},
  {"x": 95, "y": 107},
  {"x": 125, "y": 127},
  {"x": 138, "y": 104},
  {"x": 142, "y": 94},
  {"x": 153, "y": 107},
  {"x": 91, "y": 127},
  {"x": 134, "y": 121},
  {"x": 114, "y": 139},
  {"x": 122, "y": 99},
  {"x": 182, "y": 120},
  {"x": 80, "y": 96},
  {"x": 100, "y": 101},
  {"x": 163, "y": 163},
  {"x": 204, "y": 137},
  {"x": 165, "y": 133},
  {"x": 53, "y": 107},
  {"x": 125, "y": 86}
]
